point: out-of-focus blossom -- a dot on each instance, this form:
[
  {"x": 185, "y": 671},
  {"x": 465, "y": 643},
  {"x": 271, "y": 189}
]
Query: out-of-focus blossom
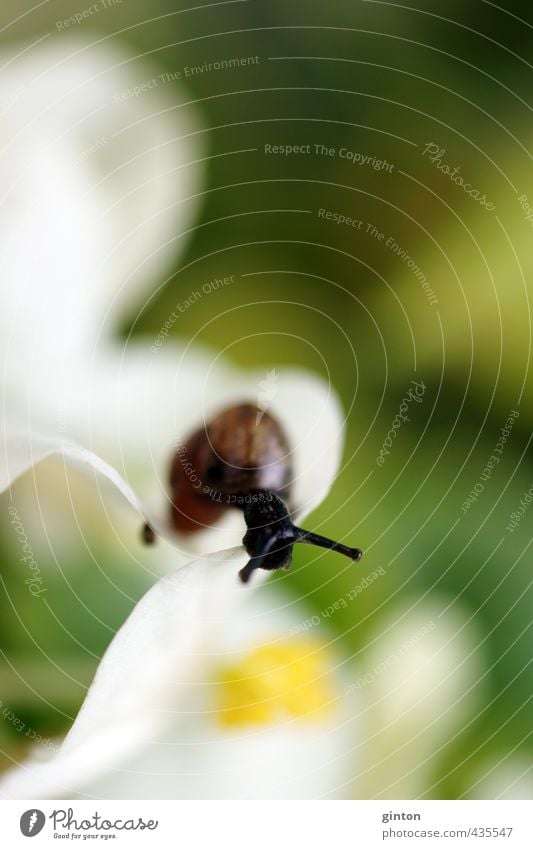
[
  {"x": 100, "y": 186},
  {"x": 509, "y": 776},
  {"x": 84, "y": 235},
  {"x": 420, "y": 682},
  {"x": 87, "y": 228},
  {"x": 262, "y": 716}
]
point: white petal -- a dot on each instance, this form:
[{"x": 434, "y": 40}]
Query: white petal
[
  {"x": 315, "y": 761},
  {"x": 23, "y": 452},
  {"x": 138, "y": 735},
  {"x": 155, "y": 655},
  {"x": 310, "y": 411},
  {"x": 121, "y": 698},
  {"x": 134, "y": 407},
  {"x": 168, "y": 396},
  {"x": 137, "y": 406},
  {"x": 197, "y": 759},
  {"x": 95, "y": 180},
  {"x": 420, "y": 677}
]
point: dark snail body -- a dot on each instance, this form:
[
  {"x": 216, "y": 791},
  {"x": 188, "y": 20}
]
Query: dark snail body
[
  {"x": 271, "y": 535},
  {"x": 241, "y": 459}
]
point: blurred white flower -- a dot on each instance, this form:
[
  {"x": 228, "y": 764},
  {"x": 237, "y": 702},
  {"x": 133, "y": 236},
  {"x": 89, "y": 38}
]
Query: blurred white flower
[
  {"x": 421, "y": 681},
  {"x": 99, "y": 191},
  {"x": 263, "y": 716},
  {"x": 83, "y": 240},
  {"x": 507, "y": 777},
  {"x": 88, "y": 227}
]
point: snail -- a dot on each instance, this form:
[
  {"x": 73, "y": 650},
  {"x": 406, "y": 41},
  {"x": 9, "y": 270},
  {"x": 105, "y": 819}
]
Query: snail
[{"x": 241, "y": 459}]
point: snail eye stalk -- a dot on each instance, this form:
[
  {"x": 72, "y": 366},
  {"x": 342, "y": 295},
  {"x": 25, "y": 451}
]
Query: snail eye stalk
[{"x": 271, "y": 535}]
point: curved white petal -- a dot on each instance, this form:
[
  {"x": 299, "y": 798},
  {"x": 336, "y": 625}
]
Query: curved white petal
[
  {"x": 312, "y": 416},
  {"x": 169, "y": 396},
  {"x": 154, "y": 656},
  {"x": 195, "y": 760},
  {"x": 93, "y": 207},
  {"x": 137, "y": 406},
  {"x": 290, "y": 758},
  {"x": 134, "y": 407},
  {"x": 22, "y": 453},
  {"x": 145, "y": 729}
]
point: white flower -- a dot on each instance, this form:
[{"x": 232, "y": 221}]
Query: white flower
[
  {"x": 86, "y": 229},
  {"x": 82, "y": 239},
  {"x": 99, "y": 190},
  {"x": 421, "y": 677},
  {"x": 168, "y": 717}
]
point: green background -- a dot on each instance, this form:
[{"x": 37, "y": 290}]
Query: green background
[{"x": 383, "y": 80}]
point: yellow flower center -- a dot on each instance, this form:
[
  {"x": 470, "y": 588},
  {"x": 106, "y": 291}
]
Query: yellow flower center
[{"x": 274, "y": 682}]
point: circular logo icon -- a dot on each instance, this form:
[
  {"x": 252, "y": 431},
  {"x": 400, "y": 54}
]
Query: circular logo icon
[{"x": 32, "y": 822}]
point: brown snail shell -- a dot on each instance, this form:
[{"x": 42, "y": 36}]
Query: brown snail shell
[{"x": 242, "y": 450}]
